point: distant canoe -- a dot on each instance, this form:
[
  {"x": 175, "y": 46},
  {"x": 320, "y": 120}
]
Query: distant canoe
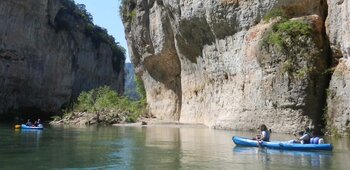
[
  {"x": 283, "y": 145},
  {"x": 39, "y": 127}
]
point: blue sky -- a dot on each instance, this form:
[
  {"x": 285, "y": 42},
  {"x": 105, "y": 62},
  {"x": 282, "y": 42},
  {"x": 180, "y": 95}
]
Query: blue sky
[{"x": 106, "y": 14}]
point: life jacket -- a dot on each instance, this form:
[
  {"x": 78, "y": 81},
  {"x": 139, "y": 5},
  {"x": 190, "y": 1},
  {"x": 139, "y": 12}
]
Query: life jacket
[
  {"x": 267, "y": 136},
  {"x": 315, "y": 140}
]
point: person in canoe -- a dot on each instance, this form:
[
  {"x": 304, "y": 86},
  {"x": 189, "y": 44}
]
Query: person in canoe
[
  {"x": 29, "y": 123},
  {"x": 37, "y": 123},
  {"x": 304, "y": 136},
  {"x": 265, "y": 134}
]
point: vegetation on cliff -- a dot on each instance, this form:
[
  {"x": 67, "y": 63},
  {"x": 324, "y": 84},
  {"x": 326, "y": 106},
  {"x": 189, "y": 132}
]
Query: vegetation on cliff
[
  {"x": 286, "y": 33},
  {"x": 295, "y": 49},
  {"x": 275, "y": 13},
  {"x": 74, "y": 17},
  {"x": 293, "y": 39},
  {"x": 127, "y": 10}
]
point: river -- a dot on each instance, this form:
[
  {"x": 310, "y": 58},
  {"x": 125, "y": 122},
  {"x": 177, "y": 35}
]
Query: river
[{"x": 154, "y": 147}]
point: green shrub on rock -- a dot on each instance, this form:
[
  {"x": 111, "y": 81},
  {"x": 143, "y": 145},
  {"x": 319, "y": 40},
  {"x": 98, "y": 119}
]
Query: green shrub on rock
[
  {"x": 294, "y": 40},
  {"x": 127, "y": 10},
  {"x": 288, "y": 34},
  {"x": 274, "y": 14},
  {"x": 104, "y": 100}
]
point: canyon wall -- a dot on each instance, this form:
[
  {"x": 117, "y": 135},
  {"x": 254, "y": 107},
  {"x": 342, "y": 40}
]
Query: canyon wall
[
  {"x": 48, "y": 56},
  {"x": 223, "y": 64},
  {"x": 338, "y": 108}
]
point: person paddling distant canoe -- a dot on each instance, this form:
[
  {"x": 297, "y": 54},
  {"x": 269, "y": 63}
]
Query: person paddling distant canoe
[
  {"x": 265, "y": 134},
  {"x": 29, "y": 123},
  {"x": 37, "y": 123}
]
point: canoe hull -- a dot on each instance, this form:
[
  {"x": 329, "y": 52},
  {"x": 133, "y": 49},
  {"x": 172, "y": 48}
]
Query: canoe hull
[
  {"x": 240, "y": 141},
  {"x": 40, "y": 127}
]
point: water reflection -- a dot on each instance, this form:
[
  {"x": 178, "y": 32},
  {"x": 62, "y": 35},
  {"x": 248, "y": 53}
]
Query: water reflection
[
  {"x": 342, "y": 147},
  {"x": 287, "y": 158},
  {"x": 154, "y": 148},
  {"x": 201, "y": 148},
  {"x": 31, "y": 137},
  {"x": 147, "y": 148},
  {"x": 183, "y": 148}
]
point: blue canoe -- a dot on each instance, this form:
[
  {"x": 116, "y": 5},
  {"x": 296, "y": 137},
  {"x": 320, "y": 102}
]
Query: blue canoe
[
  {"x": 39, "y": 127},
  {"x": 240, "y": 141}
]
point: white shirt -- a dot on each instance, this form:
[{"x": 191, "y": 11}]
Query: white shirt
[{"x": 303, "y": 138}]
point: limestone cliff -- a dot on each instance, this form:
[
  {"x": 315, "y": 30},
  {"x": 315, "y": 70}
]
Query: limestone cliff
[
  {"x": 338, "y": 24},
  {"x": 222, "y": 64},
  {"x": 49, "y": 53}
]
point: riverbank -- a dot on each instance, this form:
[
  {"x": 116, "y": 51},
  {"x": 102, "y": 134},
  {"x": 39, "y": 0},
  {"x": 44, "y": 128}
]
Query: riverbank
[
  {"x": 87, "y": 118},
  {"x": 154, "y": 122},
  {"x": 116, "y": 119}
]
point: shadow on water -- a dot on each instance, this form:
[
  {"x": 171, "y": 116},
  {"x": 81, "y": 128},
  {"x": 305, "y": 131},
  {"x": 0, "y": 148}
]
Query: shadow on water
[{"x": 287, "y": 158}]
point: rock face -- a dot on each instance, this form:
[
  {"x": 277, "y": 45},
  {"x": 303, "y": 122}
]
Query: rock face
[
  {"x": 130, "y": 84},
  {"x": 211, "y": 62},
  {"x": 47, "y": 59},
  {"x": 338, "y": 24}
]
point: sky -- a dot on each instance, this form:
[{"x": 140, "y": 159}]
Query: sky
[{"x": 105, "y": 14}]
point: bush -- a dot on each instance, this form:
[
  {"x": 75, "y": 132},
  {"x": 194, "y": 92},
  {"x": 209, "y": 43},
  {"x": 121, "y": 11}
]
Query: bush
[
  {"x": 294, "y": 28},
  {"x": 289, "y": 32},
  {"x": 77, "y": 10},
  {"x": 104, "y": 98},
  {"x": 274, "y": 14},
  {"x": 140, "y": 88},
  {"x": 56, "y": 118},
  {"x": 138, "y": 107},
  {"x": 85, "y": 102},
  {"x": 293, "y": 38},
  {"x": 96, "y": 100},
  {"x": 83, "y": 13}
]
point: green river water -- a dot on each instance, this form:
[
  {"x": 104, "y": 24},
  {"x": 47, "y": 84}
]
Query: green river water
[{"x": 154, "y": 147}]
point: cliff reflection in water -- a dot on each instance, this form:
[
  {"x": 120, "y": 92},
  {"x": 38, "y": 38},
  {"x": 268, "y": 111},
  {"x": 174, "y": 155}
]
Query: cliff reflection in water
[
  {"x": 202, "y": 148},
  {"x": 154, "y": 147},
  {"x": 180, "y": 148}
]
